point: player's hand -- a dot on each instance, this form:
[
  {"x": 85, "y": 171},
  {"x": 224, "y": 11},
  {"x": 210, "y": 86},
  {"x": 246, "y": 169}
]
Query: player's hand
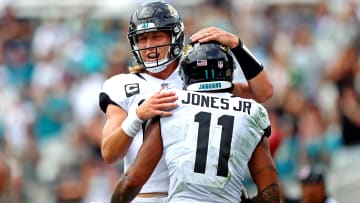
[
  {"x": 215, "y": 34},
  {"x": 158, "y": 104},
  {"x": 245, "y": 199}
]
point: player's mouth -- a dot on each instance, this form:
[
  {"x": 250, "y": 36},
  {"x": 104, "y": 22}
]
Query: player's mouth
[{"x": 153, "y": 56}]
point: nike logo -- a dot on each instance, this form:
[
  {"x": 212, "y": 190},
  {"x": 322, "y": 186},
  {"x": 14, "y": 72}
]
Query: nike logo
[{"x": 132, "y": 89}]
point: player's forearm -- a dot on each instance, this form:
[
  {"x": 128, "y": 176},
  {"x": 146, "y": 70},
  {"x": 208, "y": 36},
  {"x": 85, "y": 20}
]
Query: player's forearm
[
  {"x": 115, "y": 145},
  {"x": 242, "y": 90},
  {"x": 270, "y": 194},
  {"x": 125, "y": 190},
  {"x": 261, "y": 87},
  {"x": 264, "y": 174},
  {"x": 257, "y": 88}
]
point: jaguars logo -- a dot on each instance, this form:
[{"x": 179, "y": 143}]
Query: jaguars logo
[
  {"x": 187, "y": 50},
  {"x": 224, "y": 48},
  {"x": 228, "y": 73},
  {"x": 172, "y": 10}
]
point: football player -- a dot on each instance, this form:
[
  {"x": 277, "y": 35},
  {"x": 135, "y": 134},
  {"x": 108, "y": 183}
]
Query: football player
[
  {"x": 156, "y": 35},
  {"x": 210, "y": 142}
]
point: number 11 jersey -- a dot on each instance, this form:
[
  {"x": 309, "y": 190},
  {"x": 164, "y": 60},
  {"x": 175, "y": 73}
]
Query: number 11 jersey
[{"x": 208, "y": 143}]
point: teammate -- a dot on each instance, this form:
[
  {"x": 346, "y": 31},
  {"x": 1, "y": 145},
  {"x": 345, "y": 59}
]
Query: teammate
[
  {"x": 211, "y": 139},
  {"x": 156, "y": 35}
]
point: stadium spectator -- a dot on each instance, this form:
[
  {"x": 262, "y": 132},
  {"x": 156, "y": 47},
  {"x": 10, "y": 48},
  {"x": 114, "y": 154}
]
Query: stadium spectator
[{"x": 313, "y": 186}]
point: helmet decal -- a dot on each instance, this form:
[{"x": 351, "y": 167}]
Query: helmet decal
[
  {"x": 172, "y": 10},
  {"x": 145, "y": 25}
]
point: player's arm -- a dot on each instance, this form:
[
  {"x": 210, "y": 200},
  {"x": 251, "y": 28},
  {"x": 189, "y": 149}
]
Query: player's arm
[
  {"x": 139, "y": 172},
  {"x": 115, "y": 142},
  {"x": 264, "y": 174},
  {"x": 258, "y": 86},
  {"x": 121, "y": 127}
]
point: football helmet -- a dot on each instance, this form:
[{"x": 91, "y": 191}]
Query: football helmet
[
  {"x": 206, "y": 67},
  {"x": 157, "y": 16}
]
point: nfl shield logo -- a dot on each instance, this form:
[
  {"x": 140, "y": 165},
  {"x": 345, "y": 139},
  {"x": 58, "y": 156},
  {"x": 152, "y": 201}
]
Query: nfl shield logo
[
  {"x": 164, "y": 85},
  {"x": 220, "y": 64}
]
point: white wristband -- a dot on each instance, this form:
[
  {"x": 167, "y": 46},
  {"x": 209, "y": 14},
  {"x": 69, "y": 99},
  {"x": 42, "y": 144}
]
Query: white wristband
[{"x": 132, "y": 124}]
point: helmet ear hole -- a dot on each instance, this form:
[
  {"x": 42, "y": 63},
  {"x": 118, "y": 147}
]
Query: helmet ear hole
[
  {"x": 176, "y": 51},
  {"x": 176, "y": 29}
]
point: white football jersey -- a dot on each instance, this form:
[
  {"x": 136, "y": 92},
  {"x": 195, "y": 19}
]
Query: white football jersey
[
  {"x": 208, "y": 143},
  {"x": 122, "y": 90}
]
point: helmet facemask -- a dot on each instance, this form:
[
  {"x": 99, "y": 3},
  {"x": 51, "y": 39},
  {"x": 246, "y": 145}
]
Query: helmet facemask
[{"x": 163, "y": 57}]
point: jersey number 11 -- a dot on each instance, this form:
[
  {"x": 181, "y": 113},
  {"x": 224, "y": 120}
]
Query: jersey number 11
[{"x": 227, "y": 123}]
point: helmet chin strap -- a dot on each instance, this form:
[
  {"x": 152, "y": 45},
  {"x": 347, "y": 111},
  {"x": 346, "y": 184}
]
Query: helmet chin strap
[{"x": 153, "y": 68}]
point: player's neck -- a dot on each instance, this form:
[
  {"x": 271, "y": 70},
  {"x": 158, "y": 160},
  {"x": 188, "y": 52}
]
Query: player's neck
[{"x": 165, "y": 73}]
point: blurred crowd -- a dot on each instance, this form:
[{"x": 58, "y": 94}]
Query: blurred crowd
[{"x": 51, "y": 71}]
